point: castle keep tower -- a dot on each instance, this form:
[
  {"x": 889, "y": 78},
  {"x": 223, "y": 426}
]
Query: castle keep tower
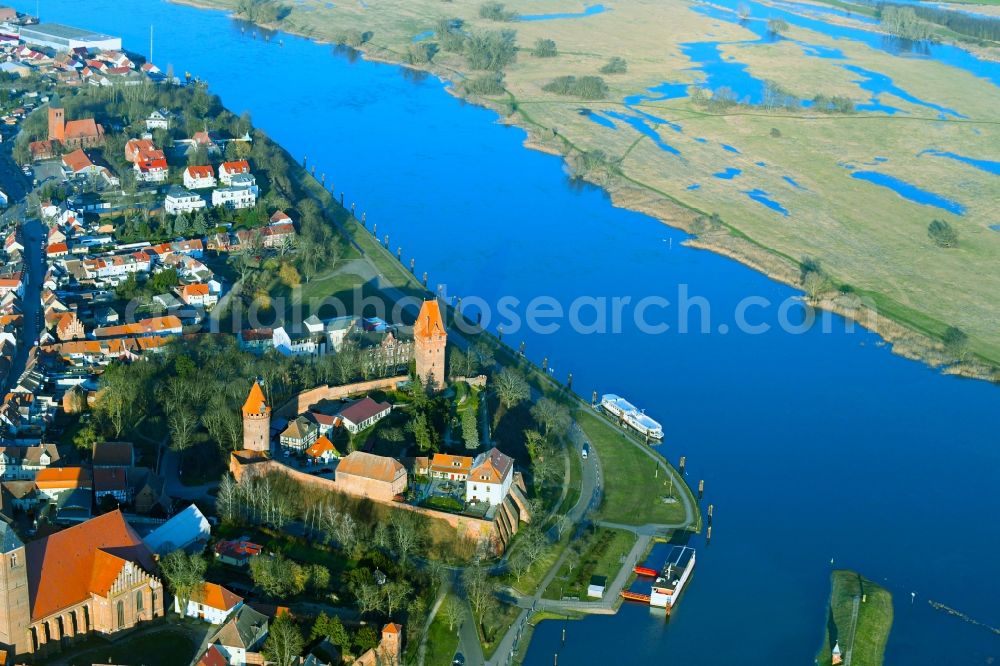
[
  {"x": 256, "y": 420},
  {"x": 15, "y": 610},
  {"x": 57, "y": 124},
  {"x": 429, "y": 342}
]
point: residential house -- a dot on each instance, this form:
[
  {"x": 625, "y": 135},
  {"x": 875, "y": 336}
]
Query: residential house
[
  {"x": 454, "y": 468},
  {"x": 113, "y": 454},
  {"x": 242, "y": 193},
  {"x": 111, "y": 481},
  {"x": 149, "y": 491},
  {"x": 198, "y": 294},
  {"x": 241, "y": 637},
  {"x": 209, "y": 602},
  {"x": 179, "y": 200},
  {"x": 490, "y": 478},
  {"x": 199, "y": 177},
  {"x": 363, "y": 413},
  {"x": 159, "y": 119},
  {"x": 69, "y": 327},
  {"x": 237, "y": 553},
  {"x": 322, "y": 451},
  {"x": 229, "y": 169},
  {"x": 153, "y": 326},
  {"x": 298, "y": 343},
  {"x": 52, "y": 481},
  {"x": 300, "y": 434},
  {"x": 24, "y": 462}
]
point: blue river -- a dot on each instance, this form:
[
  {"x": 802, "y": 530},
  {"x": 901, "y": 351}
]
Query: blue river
[{"x": 815, "y": 445}]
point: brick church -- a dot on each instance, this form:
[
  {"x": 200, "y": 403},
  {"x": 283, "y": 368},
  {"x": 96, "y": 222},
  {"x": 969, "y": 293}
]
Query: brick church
[
  {"x": 92, "y": 577},
  {"x": 74, "y": 134}
]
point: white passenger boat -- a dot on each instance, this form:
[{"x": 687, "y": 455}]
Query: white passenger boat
[{"x": 631, "y": 415}]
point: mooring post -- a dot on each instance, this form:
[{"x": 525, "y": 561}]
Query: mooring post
[
  {"x": 683, "y": 464},
  {"x": 413, "y": 265},
  {"x": 399, "y": 253},
  {"x": 711, "y": 507},
  {"x": 708, "y": 535},
  {"x": 593, "y": 399},
  {"x": 569, "y": 382},
  {"x": 425, "y": 278},
  {"x": 545, "y": 364},
  {"x": 520, "y": 349},
  {"x": 701, "y": 488}
]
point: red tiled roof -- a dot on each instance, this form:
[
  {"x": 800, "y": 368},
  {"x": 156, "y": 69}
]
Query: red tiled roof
[
  {"x": 429, "y": 323},
  {"x": 65, "y": 568},
  {"x": 200, "y": 171},
  {"x": 256, "y": 403}
]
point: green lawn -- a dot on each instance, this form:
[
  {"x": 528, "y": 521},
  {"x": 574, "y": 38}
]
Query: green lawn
[
  {"x": 873, "y": 623},
  {"x": 163, "y": 645},
  {"x": 442, "y": 642},
  {"x": 601, "y": 555},
  {"x": 633, "y": 490}
]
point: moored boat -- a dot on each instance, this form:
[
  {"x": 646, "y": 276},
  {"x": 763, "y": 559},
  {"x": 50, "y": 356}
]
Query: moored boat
[
  {"x": 631, "y": 416},
  {"x": 670, "y": 583}
]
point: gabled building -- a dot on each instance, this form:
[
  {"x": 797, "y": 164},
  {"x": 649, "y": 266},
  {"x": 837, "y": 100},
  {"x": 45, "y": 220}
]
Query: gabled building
[
  {"x": 455, "y": 468},
  {"x": 199, "y": 177},
  {"x": 300, "y": 434},
  {"x": 92, "y": 577},
  {"x": 363, "y": 414},
  {"x": 210, "y": 602},
  {"x": 229, "y": 169},
  {"x": 490, "y": 478},
  {"x": 239, "y": 640},
  {"x": 158, "y": 120},
  {"x": 367, "y": 475}
]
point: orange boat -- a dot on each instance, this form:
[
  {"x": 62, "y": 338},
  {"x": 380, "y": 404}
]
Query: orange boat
[{"x": 645, "y": 571}]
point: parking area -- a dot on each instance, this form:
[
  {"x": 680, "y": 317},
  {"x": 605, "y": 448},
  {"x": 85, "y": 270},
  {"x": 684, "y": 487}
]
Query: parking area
[{"x": 49, "y": 171}]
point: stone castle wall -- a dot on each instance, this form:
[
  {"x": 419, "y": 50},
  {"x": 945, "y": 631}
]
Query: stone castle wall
[{"x": 304, "y": 400}]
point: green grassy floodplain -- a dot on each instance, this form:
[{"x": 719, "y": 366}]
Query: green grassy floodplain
[
  {"x": 873, "y": 623},
  {"x": 601, "y": 556},
  {"x": 866, "y": 236}
]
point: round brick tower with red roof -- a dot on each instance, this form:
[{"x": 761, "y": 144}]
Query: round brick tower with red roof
[{"x": 256, "y": 420}]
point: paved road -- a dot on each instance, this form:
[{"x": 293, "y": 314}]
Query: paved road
[{"x": 31, "y": 236}]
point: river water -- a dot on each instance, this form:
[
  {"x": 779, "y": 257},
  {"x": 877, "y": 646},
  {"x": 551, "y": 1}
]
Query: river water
[{"x": 813, "y": 446}]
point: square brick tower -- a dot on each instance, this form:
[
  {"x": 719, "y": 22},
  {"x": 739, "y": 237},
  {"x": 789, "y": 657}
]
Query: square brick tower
[
  {"x": 57, "y": 124},
  {"x": 257, "y": 420},
  {"x": 15, "y": 608},
  {"x": 429, "y": 342}
]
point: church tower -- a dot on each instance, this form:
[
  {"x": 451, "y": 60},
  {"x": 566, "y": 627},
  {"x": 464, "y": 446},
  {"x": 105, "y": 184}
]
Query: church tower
[
  {"x": 15, "y": 610},
  {"x": 429, "y": 342},
  {"x": 57, "y": 124},
  {"x": 256, "y": 420}
]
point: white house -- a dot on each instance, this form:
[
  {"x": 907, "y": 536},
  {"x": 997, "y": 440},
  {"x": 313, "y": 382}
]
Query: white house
[
  {"x": 24, "y": 462},
  {"x": 158, "y": 120},
  {"x": 151, "y": 171},
  {"x": 234, "y": 197},
  {"x": 229, "y": 169},
  {"x": 199, "y": 177},
  {"x": 211, "y": 603},
  {"x": 179, "y": 200},
  {"x": 491, "y": 477},
  {"x": 244, "y": 631},
  {"x": 298, "y": 344},
  {"x": 364, "y": 413}
]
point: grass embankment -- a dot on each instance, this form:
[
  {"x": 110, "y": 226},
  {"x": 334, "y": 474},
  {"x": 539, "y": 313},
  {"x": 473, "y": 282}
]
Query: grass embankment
[
  {"x": 600, "y": 554},
  {"x": 866, "y": 236},
  {"x": 866, "y": 636},
  {"x": 442, "y": 640},
  {"x": 634, "y": 491}
]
